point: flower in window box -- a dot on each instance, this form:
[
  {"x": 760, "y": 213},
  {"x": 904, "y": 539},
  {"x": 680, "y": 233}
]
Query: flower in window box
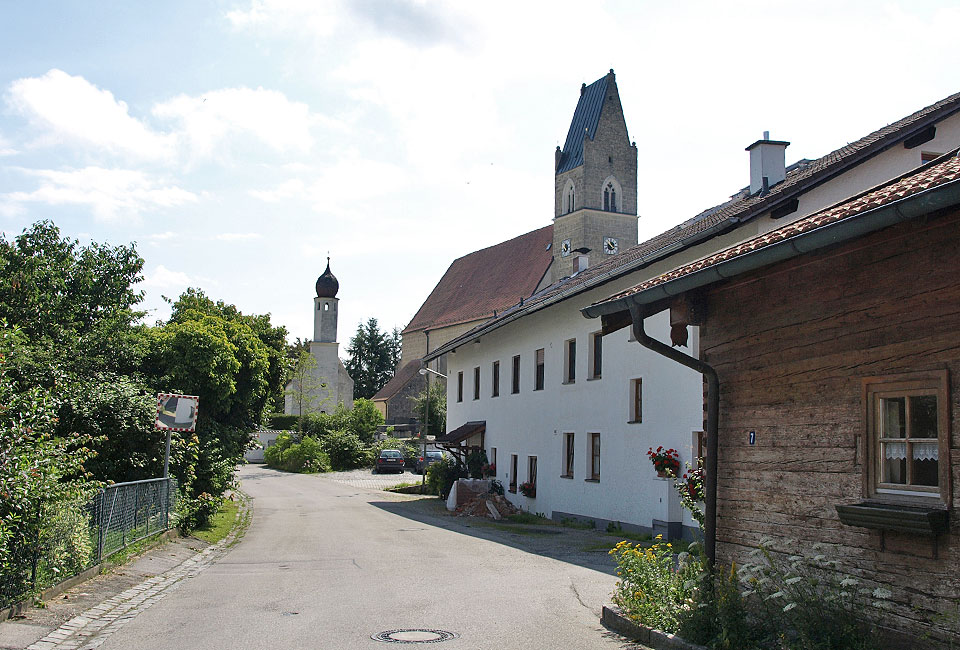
[
  {"x": 665, "y": 461},
  {"x": 489, "y": 470},
  {"x": 528, "y": 489}
]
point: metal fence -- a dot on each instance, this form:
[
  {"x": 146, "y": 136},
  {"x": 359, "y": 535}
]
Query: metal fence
[
  {"x": 125, "y": 513},
  {"x": 72, "y": 537}
]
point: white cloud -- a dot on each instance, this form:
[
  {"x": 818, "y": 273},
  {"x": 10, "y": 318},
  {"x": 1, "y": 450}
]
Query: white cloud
[
  {"x": 109, "y": 193},
  {"x": 238, "y": 236},
  {"x": 70, "y": 108},
  {"x": 163, "y": 278},
  {"x": 163, "y": 236},
  {"x": 290, "y": 189},
  {"x": 315, "y": 17},
  {"x": 6, "y": 149},
  {"x": 204, "y": 122}
]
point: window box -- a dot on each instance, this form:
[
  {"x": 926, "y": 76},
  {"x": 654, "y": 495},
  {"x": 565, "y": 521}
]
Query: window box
[{"x": 927, "y": 521}]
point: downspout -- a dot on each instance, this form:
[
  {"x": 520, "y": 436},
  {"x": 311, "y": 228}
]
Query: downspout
[{"x": 713, "y": 410}]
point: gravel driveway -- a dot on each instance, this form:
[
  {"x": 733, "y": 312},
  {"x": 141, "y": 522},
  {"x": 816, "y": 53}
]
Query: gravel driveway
[{"x": 365, "y": 478}]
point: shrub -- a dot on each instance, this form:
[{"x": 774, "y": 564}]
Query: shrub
[
  {"x": 273, "y": 455},
  {"x": 654, "y": 588},
  {"x": 196, "y": 512},
  {"x": 813, "y": 604},
  {"x": 306, "y": 456},
  {"x": 442, "y": 474},
  {"x": 409, "y": 449},
  {"x": 282, "y": 421},
  {"x": 789, "y": 603},
  {"x": 476, "y": 461},
  {"x": 65, "y": 541},
  {"x": 344, "y": 449}
]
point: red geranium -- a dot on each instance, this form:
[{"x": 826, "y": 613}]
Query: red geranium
[{"x": 665, "y": 461}]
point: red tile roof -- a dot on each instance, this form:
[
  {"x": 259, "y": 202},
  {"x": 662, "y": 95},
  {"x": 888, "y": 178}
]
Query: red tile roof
[
  {"x": 400, "y": 379},
  {"x": 924, "y": 178},
  {"x": 490, "y": 279},
  {"x": 801, "y": 177}
]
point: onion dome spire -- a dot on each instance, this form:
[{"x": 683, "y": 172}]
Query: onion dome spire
[{"x": 327, "y": 285}]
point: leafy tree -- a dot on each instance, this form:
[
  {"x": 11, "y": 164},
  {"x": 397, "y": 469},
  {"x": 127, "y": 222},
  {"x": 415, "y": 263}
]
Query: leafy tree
[
  {"x": 272, "y": 338},
  {"x": 365, "y": 418},
  {"x": 308, "y": 391},
  {"x": 437, "y": 404},
  {"x": 344, "y": 449},
  {"x": 373, "y": 358},
  {"x": 42, "y": 484},
  {"x": 54, "y": 289}
]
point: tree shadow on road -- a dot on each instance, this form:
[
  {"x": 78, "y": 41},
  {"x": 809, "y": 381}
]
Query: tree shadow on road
[{"x": 585, "y": 548}]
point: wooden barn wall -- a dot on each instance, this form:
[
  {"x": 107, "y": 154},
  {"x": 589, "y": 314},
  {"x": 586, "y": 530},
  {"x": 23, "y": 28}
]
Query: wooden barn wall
[{"x": 791, "y": 345}]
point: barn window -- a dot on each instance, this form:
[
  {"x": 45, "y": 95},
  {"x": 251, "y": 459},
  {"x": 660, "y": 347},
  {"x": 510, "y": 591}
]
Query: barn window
[{"x": 907, "y": 424}]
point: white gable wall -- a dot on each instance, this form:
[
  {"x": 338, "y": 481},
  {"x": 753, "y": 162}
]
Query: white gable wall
[
  {"x": 889, "y": 164},
  {"x": 532, "y": 423}
]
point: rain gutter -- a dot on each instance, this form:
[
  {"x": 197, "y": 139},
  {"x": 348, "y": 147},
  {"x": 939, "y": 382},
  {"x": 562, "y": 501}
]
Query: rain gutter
[
  {"x": 637, "y": 314},
  {"x": 911, "y": 207}
]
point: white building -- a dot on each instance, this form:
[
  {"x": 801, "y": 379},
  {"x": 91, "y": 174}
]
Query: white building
[
  {"x": 559, "y": 409},
  {"x": 327, "y": 383}
]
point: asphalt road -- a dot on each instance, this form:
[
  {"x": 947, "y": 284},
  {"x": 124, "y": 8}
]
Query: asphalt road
[{"x": 327, "y": 565}]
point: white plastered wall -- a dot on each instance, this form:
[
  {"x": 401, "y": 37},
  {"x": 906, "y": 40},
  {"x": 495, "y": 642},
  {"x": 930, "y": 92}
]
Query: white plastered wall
[{"x": 532, "y": 423}]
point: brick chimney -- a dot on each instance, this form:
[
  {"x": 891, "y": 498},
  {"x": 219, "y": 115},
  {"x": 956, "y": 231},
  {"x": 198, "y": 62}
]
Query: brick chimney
[{"x": 767, "y": 163}]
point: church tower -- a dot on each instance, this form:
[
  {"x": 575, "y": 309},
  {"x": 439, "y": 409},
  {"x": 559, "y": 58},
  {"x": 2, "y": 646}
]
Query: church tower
[
  {"x": 327, "y": 383},
  {"x": 595, "y": 193},
  {"x": 325, "y": 313}
]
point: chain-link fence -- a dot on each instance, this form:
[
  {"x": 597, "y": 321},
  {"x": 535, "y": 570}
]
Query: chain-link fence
[
  {"x": 68, "y": 538},
  {"x": 125, "y": 513}
]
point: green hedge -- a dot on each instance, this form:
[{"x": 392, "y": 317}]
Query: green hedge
[{"x": 282, "y": 421}]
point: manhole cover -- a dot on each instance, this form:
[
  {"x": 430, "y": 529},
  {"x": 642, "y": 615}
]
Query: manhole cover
[{"x": 414, "y": 636}]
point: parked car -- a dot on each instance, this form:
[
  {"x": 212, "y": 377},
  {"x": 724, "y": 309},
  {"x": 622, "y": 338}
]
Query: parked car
[
  {"x": 431, "y": 458},
  {"x": 389, "y": 460}
]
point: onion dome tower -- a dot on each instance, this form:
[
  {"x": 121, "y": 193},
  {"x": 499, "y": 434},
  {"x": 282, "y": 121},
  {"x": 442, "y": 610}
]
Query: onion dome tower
[
  {"x": 327, "y": 285},
  {"x": 325, "y": 312}
]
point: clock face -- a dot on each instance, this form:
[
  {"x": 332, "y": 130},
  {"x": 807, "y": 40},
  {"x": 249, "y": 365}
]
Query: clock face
[
  {"x": 610, "y": 245},
  {"x": 565, "y": 247}
]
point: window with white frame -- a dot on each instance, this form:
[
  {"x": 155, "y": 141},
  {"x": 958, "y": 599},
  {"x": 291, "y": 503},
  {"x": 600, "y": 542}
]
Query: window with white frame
[
  {"x": 513, "y": 473},
  {"x": 569, "y": 447},
  {"x": 515, "y": 375},
  {"x": 907, "y": 451},
  {"x": 495, "y": 379},
  {"x": 595, "y": 366},
  {"x": 636, "y": 400},
  {"x": 476, "y": 382},
  {"x": 593, "y": 471},
  {"x": 570, "y": 361},
  {"x": 460, "y": 386},
  {"x": 538, "y": 377}
]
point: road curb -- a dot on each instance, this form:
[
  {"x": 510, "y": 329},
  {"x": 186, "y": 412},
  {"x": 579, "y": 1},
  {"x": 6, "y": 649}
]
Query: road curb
[
  {"x": 613, "y": 618},
  {"x": 94, "y": 626}
]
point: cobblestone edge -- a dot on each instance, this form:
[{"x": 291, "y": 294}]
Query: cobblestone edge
[{"x": 93, "y": 627}]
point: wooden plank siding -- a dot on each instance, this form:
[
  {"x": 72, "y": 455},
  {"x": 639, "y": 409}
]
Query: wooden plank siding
[{"x": 791, "y": 344}]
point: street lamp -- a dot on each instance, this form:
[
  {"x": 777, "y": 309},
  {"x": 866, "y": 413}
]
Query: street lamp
[{"x": 424, "y": 370}]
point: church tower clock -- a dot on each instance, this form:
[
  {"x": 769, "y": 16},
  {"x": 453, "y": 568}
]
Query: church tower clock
[{"x": 595, "y": 194}]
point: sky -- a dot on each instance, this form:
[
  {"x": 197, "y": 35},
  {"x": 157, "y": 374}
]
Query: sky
[{"x": 239, "y": 142}]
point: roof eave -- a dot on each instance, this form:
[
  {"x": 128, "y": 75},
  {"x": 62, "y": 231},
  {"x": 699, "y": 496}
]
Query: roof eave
[
  {"x": 936, "y": 198},
  {"x": 600, "y": 280},
  {"x": 830, "y": 172}
]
